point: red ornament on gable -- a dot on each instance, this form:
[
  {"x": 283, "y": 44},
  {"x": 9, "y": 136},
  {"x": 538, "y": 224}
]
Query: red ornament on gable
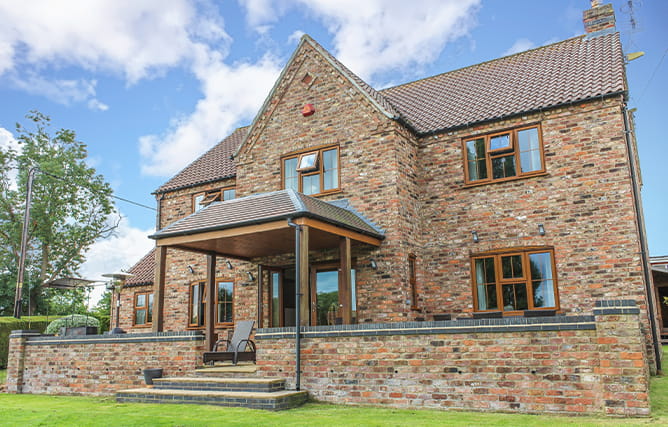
[{"x": 308, "y": 110}]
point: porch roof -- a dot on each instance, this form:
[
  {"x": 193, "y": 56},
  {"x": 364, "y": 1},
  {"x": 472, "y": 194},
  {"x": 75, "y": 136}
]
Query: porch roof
[{"x": 257, "y": 225}]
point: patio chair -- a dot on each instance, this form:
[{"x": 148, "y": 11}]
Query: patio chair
[{"x": 239, "y": 348}]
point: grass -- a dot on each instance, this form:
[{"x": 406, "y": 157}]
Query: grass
[
  {"x": 30, "y": 410},
  {"x": 3, "y": 376}
]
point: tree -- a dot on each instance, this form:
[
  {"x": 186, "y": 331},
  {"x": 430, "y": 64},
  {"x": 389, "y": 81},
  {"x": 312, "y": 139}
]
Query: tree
[{"x": 71, "y": 208}]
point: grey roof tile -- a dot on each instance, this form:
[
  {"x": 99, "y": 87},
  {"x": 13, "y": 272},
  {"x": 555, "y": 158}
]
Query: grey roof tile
[
  {"x": 265, "y": 207},
  {"x": 214, "y": 165},
  {"x": 569, "y": 71}
]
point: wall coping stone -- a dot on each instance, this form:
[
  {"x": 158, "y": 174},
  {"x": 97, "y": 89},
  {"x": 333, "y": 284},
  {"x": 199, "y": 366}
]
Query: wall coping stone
[
  {"x": 459, "y": 326},
  {"x": 19, "y": 333},
  {"x": 616, "y": 303},
  {"x": 116, "y": 338}
]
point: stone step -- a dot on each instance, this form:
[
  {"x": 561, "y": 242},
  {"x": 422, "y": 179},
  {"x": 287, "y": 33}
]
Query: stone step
[
  {"x": 275, "y": 401},
  {"x": 259, "y": 385},
  {"x": 227, "y": 371}
]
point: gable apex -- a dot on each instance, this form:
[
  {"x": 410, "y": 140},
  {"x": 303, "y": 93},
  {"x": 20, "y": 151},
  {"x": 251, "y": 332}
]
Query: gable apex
[{"x": 373, "y": 96}]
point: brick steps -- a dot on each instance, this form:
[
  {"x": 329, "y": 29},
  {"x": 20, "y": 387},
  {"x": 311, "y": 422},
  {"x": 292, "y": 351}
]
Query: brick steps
[{"x": 210, "y": 389}]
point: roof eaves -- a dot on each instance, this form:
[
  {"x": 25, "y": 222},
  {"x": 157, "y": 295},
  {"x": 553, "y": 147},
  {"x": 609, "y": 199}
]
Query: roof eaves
[
  {"x": 195, "y": 184},
  {"x": 521, "y": 113}
]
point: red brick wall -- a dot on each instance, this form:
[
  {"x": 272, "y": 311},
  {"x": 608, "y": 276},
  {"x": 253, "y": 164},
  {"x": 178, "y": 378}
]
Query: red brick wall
[
  {"x": 584, "y": 202},
  {"x": 601, "y": 371},
  {"x": 97, "y": 367}
]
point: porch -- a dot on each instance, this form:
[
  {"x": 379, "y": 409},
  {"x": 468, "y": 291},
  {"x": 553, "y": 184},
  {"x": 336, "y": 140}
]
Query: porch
[{"x": 258, "y": 227}]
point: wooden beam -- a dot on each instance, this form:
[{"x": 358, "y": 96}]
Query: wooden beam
[
  {"x": 303, "y": 272},
  {"x": 210, "y": 313},
  {"x": 208, "y": 252},
  {"x": 339, "y": 231},
  {"x": 345, "y": 295},
  {"x": 219, "y": 234},
  {"x": 159, "y": 289},
  {"x": 260, "y": 300}
]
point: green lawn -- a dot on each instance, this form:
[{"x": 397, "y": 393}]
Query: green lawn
[
  {"x": 31, "y": 410},
  {"x": 3, "y": 375}
]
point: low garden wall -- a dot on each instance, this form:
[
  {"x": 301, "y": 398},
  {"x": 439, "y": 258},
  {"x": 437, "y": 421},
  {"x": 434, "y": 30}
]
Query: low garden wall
[
  {"x": 564, "y": 364},
  {"x": 97, "y": 364}
]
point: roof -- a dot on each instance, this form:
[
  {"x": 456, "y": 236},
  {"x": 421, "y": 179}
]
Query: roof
[
  {"x": 143, "y": 272},
  {"x": 569, "y": 71},
  {"x": 214, "y": 165},
  {"x": 266, "y": 207}
]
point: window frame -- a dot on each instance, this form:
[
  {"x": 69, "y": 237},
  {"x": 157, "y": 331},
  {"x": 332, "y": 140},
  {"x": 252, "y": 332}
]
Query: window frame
[
  {"x": 211, "y": 196},
  {"x": 526, "y": 278},
  {"x": 148, "y": 308},
  {"x": 203, "y": 303},
  {"x": 513, "y": 148},
  {"x": 412, "y": 280},
  {"x": 318, "y": 170}
]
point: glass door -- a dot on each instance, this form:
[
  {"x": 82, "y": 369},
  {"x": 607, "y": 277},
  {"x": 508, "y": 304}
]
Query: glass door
[
  {"x": 281, "y": 297},
  {"x": 326, "y": 300}
]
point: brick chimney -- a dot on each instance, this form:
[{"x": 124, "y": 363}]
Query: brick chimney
[{"x": 599, "y": 17}]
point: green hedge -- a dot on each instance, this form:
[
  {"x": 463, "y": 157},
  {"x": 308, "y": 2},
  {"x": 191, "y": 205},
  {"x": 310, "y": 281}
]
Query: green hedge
[{"x": 9, "y": 324}]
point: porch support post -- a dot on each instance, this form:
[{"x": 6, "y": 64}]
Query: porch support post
[
  {"x": 210, "y": 306},
  {"x": 260, "y": 287},
  {"x": 304, "y": 303},
  {"x": 159, "y": 288},
  {"x": 345, "y": 296}
]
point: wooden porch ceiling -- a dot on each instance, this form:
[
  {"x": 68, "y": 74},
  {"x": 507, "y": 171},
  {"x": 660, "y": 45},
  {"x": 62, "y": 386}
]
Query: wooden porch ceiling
[{"x": 270, "y": 238}]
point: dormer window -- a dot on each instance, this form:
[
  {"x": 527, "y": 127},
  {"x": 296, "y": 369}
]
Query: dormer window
[
  {"x": 206, "y": 198},
  {"x": 313, "y": 172}
]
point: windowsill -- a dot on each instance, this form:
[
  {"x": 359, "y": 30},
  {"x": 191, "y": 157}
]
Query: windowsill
[
  {"x": 325, "y": 193},
  {"x": 498, "y": 181}
]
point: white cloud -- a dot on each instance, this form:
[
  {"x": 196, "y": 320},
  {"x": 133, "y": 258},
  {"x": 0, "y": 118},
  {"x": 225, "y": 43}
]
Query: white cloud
[
  {"x": 372, "y": 36},
  {"x": 231, "y": 94},
  {"x": 121, "y": 251},
  {"x": 295, "y": 36},
  {"x": 7, "y": 140},
  {"x": 63, "y": 92},
  {"x": 520, "y": 45},
  {"x": 132, "y": 38}
]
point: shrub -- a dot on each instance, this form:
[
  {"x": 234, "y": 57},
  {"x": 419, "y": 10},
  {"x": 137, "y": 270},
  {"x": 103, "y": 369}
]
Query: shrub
[
  {"x": 71, "y": 321},
  {"x": 8, "y": 324}
]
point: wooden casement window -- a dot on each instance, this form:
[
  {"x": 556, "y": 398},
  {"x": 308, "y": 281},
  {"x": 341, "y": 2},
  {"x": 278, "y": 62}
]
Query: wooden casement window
[
  {"x": 312, "y": 172},
  {"x": 143, "y": 309},
  {"x": 515, "y": 280},
  {"x": 205, "y": 198},
  {"x": 412, "y": 281},
  {"x": 504, "y": 155},
  {"x": 224, "y": 303}
]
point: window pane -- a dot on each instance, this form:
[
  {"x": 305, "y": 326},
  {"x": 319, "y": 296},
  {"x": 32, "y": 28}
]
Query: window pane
[
  {"x": 225, "y": 290},
  {"x": 311, "y": 184},
  {"x": 308, "y": 161},
  {"x": 503, "y": 167},
  {"x": 330, "y": 169},
  {"x": 512, "y": 266},
  {"x": 541, "y": 266},
  {"x": 543, "y": 293},
  {"x": 514, "y": 297},
  {"x": 487, "y": 297},
  {"x": 499, "y": 142},
  {"x": 140, "y": 317},
  {"x": 475, "y": 152},
  {"x": 197, "y": 201},
  {"x": 229, "y": 194},
  {"x": 275, "y": 301},
  {"x": 150, "y": 308},
  {"x": 141, "y": 300},
  {"x": 290, "y": 174},
  {"x": 195, "y": 303},
  {"x": 529, "y": 146}
]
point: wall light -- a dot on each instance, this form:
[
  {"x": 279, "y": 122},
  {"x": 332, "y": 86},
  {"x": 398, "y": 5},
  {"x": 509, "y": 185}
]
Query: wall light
[
  {"x": 191, "y": 269},
  {"x": 373, "y": 263},
  {"x": 229, "y": 264},
  {"x": 476, "y": 239},
  {"x": 250, "y": 276},
  {"x": 541, "y": 229}
]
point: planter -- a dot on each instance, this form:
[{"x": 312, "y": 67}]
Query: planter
[{"x": 152, "y": 373}]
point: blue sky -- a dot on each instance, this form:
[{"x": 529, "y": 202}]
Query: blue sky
[{"x": 150, "y": 85}]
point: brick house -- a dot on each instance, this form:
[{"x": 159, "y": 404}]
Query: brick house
[
  {"x": 481, "y": 226},
  {"x": 660, "y": 279}
]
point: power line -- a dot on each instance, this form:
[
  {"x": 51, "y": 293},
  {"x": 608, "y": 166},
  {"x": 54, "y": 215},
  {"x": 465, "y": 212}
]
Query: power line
[
  {"x": 61, "y": 178},
  {"x": 653, "y": 74}
]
